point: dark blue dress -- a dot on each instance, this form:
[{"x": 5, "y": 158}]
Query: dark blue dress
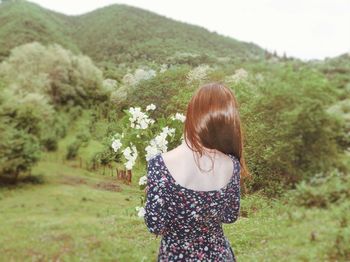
[{"x": 190, "y": 221}]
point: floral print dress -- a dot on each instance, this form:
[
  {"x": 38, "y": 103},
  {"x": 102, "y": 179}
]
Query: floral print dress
[{"x": 190, "y": 221}]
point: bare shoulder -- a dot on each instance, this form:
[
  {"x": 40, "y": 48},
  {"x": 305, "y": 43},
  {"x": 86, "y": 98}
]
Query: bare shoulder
[{"x": 173, "y": 154}]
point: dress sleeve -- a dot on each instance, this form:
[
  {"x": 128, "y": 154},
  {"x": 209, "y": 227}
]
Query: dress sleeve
[
  {"x": 156, "y": 197},
  {"x": 232, "y": 207}
]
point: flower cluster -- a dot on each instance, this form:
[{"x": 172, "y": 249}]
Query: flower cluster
[
  {"x": 138, "y": 119},
  {"x": 141, "y": 211},
  {"x": 130, "y": 153},
  {"x": 178, "y": 116},
  {"x": 150, "y": 107},
  {"x": 159, "y": 143},
  {"x": 143, "y": 180},
  {"x": 116, "y": 144}
]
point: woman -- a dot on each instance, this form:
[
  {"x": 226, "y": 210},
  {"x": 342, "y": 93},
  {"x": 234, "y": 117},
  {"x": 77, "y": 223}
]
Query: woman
[{"x": 186, "y": 204}]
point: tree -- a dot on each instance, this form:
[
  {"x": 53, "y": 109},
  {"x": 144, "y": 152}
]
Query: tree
[
  {"x": 19, "y": 151},
  {"x": 54, "y": 72}
]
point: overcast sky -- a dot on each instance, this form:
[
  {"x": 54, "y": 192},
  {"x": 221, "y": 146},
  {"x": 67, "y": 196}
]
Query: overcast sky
[{"x": 307, "y": 29}]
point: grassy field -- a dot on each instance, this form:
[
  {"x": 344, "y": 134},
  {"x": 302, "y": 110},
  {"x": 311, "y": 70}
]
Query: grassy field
[{"x": 76, "y": 215}]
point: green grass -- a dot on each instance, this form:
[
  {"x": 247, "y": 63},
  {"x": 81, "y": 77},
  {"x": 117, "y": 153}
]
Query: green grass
[
  {"x": 68, "y": 218},
  {"x": 72, "y": 216}
]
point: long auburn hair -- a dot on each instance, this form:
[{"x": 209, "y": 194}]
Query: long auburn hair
[{"x": 213, "y": 121}]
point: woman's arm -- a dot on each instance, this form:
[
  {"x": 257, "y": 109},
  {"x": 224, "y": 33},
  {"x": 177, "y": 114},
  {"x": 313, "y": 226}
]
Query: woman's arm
[
  {"x": 231, "y": 209},
  {"x": 155, "y": 214}
]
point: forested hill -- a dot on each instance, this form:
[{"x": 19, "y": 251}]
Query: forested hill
[
  {"x": 116, "y": 33},
  {"x": 22, "y": 22}
]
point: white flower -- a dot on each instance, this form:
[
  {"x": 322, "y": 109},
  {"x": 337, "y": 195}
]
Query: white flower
[
  {"x": 129, "y": 165},
  {"x": 150, "y": 107},
  {"x": 138, "y": 119},
  {"x": 159, "y": 143},
  {"x": 143, "y": 180},
  {"x": 151, "y": 151},
  {"x": 130, "y": 154},
  {"x": 168, "y": 131},
  {"x": 179, "y": 116},
  {"x": 116, "y": 144},
  {"x": 141, "y": 211}
]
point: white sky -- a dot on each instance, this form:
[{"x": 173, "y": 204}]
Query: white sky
[{"x": 307, "y": 29}]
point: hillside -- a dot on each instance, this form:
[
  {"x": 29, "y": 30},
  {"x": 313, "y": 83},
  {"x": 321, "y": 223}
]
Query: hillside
[
  {"x": 23, "y": 22},
  {"x": 117, "y": 34},
  {"x": 124, "y": 33}
]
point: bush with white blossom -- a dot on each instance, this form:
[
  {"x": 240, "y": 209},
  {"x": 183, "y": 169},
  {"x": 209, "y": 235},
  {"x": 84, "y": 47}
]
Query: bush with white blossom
[
  {"x": 239, "y": 76},
  {"x": 142, "y": 138},
  {"x": 199, "y": 73},
  {"x": 139, "y": 75}
]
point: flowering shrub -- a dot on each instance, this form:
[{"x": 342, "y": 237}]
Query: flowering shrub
[
  {"x": 199, "y": 73},
  {"x": 142, "y": 138},
  {"x": 139, "y": 75},
  {"x": 239, "y": 76}
]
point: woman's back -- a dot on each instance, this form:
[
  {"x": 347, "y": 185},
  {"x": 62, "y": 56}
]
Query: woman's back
[
  {"x": 186, "y": 205},
  {"x": 188, "y": 210},
  {"x": 182, "y": 167}
]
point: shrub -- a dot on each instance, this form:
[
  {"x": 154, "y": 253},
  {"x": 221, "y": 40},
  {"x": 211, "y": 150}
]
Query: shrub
[
  {"x": 73, "y": 148},
  {"x": 322, "y": 190},
  {"x": 81, "y": 140},
  {"x": 158, "y": 90},
  {"x": 34, "y": 115},
  {"x": 54, "y": 72},
  {"x": 19, "y": 151},
  {"x": 289, "y": 135},
  {"x": 50, "y": 143}
]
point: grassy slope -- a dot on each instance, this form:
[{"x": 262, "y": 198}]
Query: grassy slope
[
  {"x": 69, "y": 217},
  {"x": 116, "y": 34}
]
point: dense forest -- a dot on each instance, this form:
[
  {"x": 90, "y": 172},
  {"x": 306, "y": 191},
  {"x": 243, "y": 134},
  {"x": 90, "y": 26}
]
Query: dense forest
[{"x": 71, "y": 85}]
